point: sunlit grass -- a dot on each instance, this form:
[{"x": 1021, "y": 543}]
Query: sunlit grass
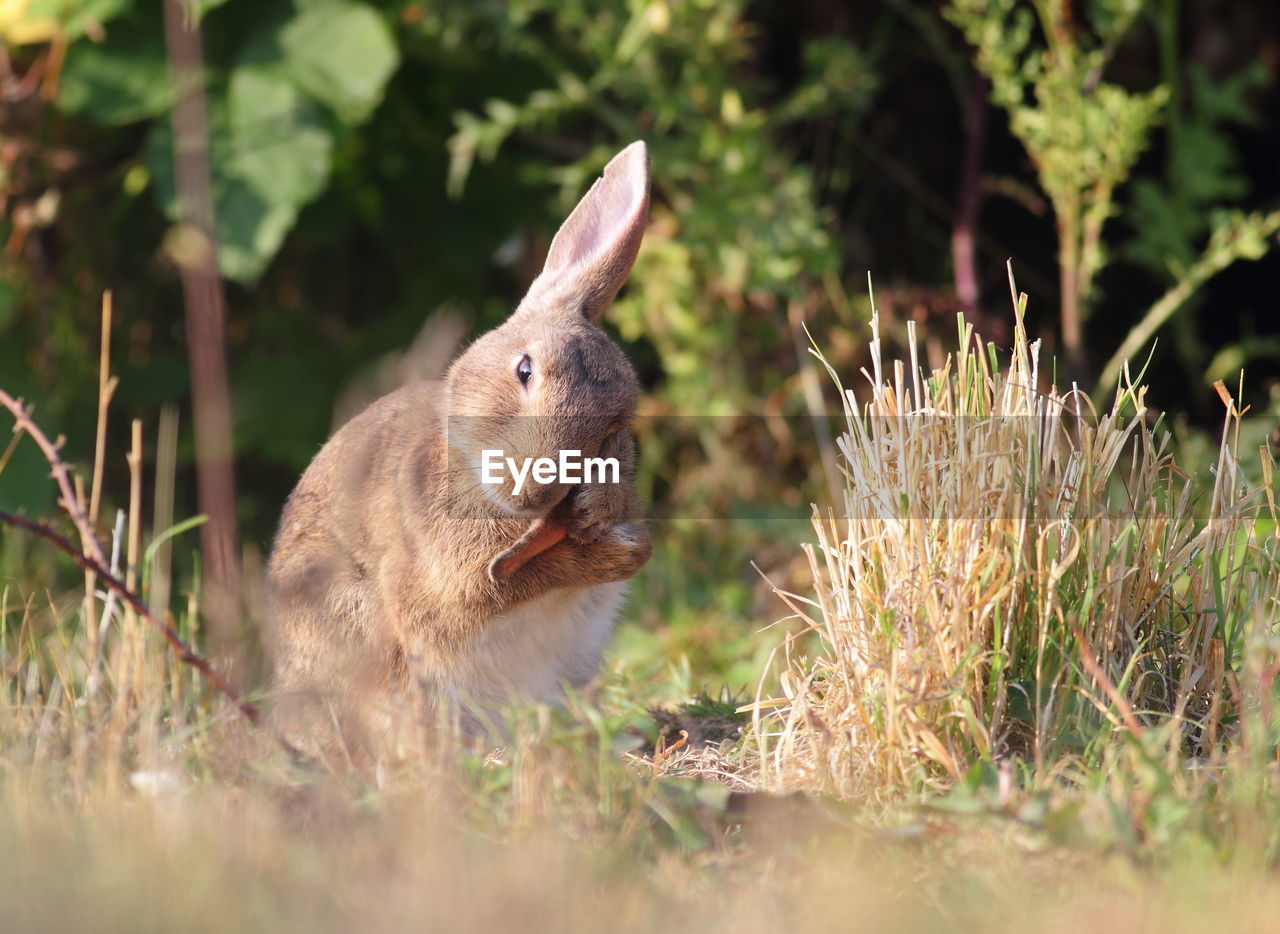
[{"x": 1017, "y": 574}]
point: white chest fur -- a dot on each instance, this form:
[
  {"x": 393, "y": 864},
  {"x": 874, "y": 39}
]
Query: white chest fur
[{"x": 528, "y": 651}]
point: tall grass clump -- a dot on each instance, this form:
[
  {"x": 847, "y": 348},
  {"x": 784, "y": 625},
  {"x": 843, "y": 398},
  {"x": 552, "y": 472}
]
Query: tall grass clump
[{"x": 1012, "y": 573}]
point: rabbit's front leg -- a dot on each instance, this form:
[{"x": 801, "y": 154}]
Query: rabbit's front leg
[{"x": 616, "y": 554}]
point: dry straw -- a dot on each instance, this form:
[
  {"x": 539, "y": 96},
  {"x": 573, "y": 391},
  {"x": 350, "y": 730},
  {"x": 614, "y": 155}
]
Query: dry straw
[{"x": 1008, "y": 574}]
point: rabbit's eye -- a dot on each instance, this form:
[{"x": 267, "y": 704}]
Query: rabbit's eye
[{"x": 524, "y": 370}]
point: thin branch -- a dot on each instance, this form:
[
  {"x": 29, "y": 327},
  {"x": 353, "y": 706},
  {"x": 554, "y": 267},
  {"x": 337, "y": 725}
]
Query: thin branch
[
  {"x": 185, "y": 652},
  {"x": 1216, "y": 257},
  {"x": 91, "y": 558},
  {"x": 67, "y": 498}
]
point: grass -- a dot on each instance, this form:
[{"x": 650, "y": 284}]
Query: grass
[
  {"x": 1029, "y": 686},
  {"x": 1014, "y": 576}
]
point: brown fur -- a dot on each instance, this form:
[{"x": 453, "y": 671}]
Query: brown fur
[{"x": 380, "y": 592}]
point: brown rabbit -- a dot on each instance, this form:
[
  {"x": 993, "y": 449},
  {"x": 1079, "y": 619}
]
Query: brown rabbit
[{"x": 400, "y": 579}]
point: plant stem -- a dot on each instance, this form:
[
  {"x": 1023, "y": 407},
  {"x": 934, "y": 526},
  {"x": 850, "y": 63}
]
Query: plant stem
[
  {"x": 206, "y": 340},
  {"x": 1069, "y": 278},
  {"x": 1215, "y": 259},
  {"x": 963, "y": 256}
]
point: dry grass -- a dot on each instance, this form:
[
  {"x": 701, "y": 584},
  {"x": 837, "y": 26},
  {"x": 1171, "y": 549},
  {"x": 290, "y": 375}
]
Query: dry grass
[{"x": 1011, "y": 574}]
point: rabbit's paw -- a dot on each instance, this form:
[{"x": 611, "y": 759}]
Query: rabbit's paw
[
  {"x": 595, "y": 508},
  {"x": 624, "y": 547}
]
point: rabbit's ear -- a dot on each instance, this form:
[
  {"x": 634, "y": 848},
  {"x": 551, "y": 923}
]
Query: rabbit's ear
[{"x": 594, "y": 249}]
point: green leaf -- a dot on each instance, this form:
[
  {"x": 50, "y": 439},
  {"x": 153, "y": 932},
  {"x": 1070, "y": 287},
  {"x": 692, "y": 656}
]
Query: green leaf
[
  {"x": 280, "y": 142},
  {"x": 123, "y": 80},
  {"x": 271, "y": 154},
  {"x": 204, "y": 6},
  {"x": 77, "y": 15},
  {"x": 1112, "y": 18},
  {"x": 342, "y": 54},
  {"x": 171, "y": 532}
]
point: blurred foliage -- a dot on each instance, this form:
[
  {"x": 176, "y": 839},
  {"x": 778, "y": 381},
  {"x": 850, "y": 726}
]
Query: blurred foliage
[
  {"x": 1083, "y": 134},
  {"x": 1170, "y": 213},
  {"x": 281, "y": 99},
  {"x": 1234, "y": 236},
  {"x": 29, "y": 21}
]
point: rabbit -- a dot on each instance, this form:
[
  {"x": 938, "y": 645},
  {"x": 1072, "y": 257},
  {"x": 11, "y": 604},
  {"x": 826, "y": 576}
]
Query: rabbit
[{"x": 404, "y": 579}]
